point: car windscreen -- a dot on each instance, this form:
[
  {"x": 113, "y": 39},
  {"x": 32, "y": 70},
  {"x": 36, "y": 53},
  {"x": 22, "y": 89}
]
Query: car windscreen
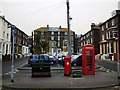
[
  {"x": 35, "y": 56},
  {"x": 44, "y": 57}
]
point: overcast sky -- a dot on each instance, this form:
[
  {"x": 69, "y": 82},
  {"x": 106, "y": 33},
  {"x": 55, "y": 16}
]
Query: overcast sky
[{"x": 29, "y": 15}]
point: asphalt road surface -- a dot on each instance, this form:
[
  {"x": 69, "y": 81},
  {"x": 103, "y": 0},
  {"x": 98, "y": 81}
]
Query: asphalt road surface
[{"x": 112, "y": 65}]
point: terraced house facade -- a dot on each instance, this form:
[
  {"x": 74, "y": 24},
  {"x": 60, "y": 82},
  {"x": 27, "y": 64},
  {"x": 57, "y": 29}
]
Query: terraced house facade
[
  {"x": 91, "y": 37},
  {"x": 5, "y": 38},
  {"x": 109, "y": 36},
  {"x": 20, "y": 41}
]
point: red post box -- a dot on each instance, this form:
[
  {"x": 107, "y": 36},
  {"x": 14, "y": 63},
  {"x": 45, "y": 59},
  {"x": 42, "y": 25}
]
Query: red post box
[
  {"x": 67, "y": 65},
  {"x": 88, "y": 59}
]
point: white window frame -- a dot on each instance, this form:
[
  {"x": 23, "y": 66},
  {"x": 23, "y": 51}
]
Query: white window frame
[
  {"x": 71, "y": 33},
  {"x": 103, "y": 37},
  {"x": 42, "y": 33},
  {"x": 91, "y": 40},
  {"x": 106, "y": 24},
  {"x": 113, "y": 21},
  {"x": 58, "y": 38},
  {"x": 58, "y": 33},
  {"x": 106, "y": 35},
  {"x": 102, "y": 28},
  {"x": 109, "y": 47},
  {"x": 91, "y": 33},
  {"x": 58, "y": 44},
  {"x": 66, "y": 33},
  {"x": 52, "y": 33},
  {"x": 52, "y": 37}
]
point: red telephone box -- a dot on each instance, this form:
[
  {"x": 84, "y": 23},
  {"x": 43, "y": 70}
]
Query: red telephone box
[
  {"x": 67, "y": 66},
  {"x": 88, "y": 59}
]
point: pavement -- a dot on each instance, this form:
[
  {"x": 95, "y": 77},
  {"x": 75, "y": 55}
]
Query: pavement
[{"x": 102, "y": 80}]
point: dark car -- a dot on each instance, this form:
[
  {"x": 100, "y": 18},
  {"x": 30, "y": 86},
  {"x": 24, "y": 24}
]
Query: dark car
[
  {"x": 76, "y": 60},
  {"x": 32, "y": 59},
  {"x": 44, "y": 58}
]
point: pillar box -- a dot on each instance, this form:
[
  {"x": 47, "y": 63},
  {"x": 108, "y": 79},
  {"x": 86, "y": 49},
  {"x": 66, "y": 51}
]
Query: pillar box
[{"x": 67, "y": 65}]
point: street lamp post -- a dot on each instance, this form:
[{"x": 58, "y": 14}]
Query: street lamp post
[
  {"x": 12, "y": 65},
  {"x": 70, "y": 18}
]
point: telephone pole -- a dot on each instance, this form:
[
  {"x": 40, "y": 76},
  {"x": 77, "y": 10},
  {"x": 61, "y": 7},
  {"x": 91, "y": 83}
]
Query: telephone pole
[
  {"x": 68, "y": 25},
  {"x": 69, "y": 33}
]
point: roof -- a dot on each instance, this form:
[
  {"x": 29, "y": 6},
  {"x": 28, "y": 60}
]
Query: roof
[
  {"x": 64, "y": 30},
  {"x": 52, "y": 29},
  {"x": 42, "y": 29},
  {"x": 118, "y": 14}
]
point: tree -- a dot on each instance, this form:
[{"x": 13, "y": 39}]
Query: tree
[
  {"x": 45, "y": 46},
  {"x": 40, "y": 45}
]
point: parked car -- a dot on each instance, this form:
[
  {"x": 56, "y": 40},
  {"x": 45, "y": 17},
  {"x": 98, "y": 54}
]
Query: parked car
[
  {"x": 32, "y": 59},
  {"x": 52, "y": 58},
  {"x": 76, "y": 60},
  {"x": 44, "y": 57},
  {"x": 61, "y": 56}
]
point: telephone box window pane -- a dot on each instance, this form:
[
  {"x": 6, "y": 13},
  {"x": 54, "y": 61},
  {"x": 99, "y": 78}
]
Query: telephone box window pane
[{"x": 89, "y": 60}]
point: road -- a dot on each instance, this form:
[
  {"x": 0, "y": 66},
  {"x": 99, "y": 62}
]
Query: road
[
  {"x": 6, "y": 65},
  {"x": 111, "y": 65}
]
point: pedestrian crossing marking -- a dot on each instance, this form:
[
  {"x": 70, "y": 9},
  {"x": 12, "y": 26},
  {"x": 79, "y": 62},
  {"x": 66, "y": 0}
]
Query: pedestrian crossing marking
[
  {"x": 15, "y": 71},
  {"x": 77, "y": 78}
]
